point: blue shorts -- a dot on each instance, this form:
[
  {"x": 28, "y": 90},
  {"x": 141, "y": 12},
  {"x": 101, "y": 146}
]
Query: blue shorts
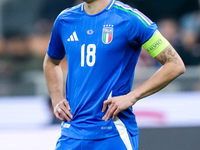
[{"x": 116, "y": 143}]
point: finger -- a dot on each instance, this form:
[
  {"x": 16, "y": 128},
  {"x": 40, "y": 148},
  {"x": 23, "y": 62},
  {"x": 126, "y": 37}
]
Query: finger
[
  {"x": 109, "y": 113},
  {"x": 112, "y": 110},
  {"x": 105, "y": 105},
  {"x": 104, "y": 108},
  {"x": 116, "y": 113},
  {"x": 67, "y": 104},
  {"x": 66, "y": 111},
  {"x": 58, "y": 116},
  {"x": 62, "y": 114}
]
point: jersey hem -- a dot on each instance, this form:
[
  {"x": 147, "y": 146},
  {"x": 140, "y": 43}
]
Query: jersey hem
[{"x": 93, "y": 137}]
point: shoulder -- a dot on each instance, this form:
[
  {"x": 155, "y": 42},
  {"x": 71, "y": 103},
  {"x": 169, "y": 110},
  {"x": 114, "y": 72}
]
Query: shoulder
[
  {"x": 132, "y": 14},
  {"x": 68, "y": 12},
  {"x": 123, "y": 10}
]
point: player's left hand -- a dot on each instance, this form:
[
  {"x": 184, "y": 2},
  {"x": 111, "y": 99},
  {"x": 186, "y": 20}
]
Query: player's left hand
[{"x": 116, "y": 105}]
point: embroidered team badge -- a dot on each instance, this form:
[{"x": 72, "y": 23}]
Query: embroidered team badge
[{"x": 107, "y": 34}]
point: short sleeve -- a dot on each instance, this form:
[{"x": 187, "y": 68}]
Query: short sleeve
[
  {"x": 140, "y": 28},
  {"x": 56, "y": 49}
]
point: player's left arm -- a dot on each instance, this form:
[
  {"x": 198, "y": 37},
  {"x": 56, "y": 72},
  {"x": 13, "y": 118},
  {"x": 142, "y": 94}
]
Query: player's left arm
[{"x": 172, "y": 67}]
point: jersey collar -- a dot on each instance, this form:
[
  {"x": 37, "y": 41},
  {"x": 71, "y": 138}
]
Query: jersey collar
[
  {"x": 107, "y": 8},
  {"x": 111, "y": 4}
]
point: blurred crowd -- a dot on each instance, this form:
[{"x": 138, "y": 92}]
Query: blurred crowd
[
  {"x": 26, "y": 28},
  {"x": 184, "y": 35}
]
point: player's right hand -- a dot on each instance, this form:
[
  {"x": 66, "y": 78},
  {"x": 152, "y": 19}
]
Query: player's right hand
[{"x": 62, "y": 111}]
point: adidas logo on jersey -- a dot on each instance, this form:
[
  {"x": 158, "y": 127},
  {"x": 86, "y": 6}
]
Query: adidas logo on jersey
[{"x": 73, "y": 37}]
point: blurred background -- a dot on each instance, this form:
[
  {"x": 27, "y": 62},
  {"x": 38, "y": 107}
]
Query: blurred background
[{"x": 167, "y": 120}]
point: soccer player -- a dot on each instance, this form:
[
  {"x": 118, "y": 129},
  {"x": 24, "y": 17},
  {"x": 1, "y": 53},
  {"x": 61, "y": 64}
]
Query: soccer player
[{"x": 102, "y": 40}]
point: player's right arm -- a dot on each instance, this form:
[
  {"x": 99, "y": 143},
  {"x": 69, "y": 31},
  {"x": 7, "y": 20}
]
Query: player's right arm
[{"x": 54, "y": 79}]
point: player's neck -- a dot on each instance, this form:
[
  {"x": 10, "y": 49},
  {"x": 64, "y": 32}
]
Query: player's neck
[{"x": 96, "y": 6}]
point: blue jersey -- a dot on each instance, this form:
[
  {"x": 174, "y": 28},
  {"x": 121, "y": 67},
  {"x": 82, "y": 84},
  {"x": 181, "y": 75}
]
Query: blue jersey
[{"x": 102, "y": 51}]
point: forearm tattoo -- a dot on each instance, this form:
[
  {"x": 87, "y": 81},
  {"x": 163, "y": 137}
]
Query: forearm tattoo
[{"x": 168, "y": 55}]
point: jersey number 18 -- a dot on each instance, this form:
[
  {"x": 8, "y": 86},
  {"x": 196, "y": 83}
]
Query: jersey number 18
[{"x": 90, "y": 55}]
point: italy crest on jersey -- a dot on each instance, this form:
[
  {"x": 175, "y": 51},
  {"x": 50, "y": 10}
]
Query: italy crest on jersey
[{"x": 107, "y": 34}]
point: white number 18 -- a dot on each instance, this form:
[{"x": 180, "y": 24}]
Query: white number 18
[{"x": 90, "y": 57}]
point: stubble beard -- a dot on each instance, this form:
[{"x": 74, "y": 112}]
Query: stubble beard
[{"x": 89, "y": 1}]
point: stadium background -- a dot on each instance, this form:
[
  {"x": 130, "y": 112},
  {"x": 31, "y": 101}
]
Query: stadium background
[{"x": 167, "y": 120}]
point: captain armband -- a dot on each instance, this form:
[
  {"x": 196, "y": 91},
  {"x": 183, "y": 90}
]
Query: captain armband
[{"x": 156, "y": 44}]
